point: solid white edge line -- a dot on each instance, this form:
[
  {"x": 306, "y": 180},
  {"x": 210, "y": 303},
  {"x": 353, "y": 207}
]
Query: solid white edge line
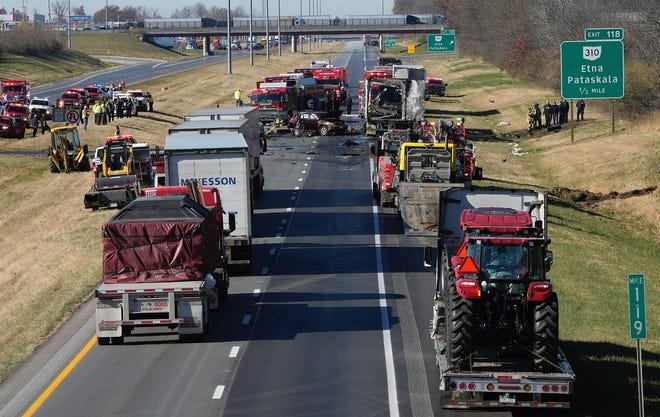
[
  {"x": 217, "y": 394},
  {"x": 246, "y": 319},
  {"x": 385, "y": 322},
  {"x": 289, "y": 209},
  {"x": 234, "y": 351},
  {"x": 297, "y": 188}
]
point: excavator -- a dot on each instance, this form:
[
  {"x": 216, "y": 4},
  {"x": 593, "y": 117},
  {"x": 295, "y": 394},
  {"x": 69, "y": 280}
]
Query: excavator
[
  {"x": 65, "y": 154},
  {"x": 125, "y": 169}
]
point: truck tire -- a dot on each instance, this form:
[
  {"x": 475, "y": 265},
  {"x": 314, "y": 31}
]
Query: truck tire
[
  {"x": 546, "y": 333},
  {"x": 323, "y": 131},
  {"x": 459, "y": 327}
]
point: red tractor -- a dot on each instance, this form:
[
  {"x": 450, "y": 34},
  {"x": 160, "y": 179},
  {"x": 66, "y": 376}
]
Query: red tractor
[{"x": 497, "y": 297}]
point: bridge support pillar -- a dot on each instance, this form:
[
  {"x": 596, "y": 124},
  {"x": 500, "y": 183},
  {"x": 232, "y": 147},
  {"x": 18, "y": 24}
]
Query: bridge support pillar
[
  {"x": 293, "y": 43},
  {"x": 206, "y": 46},
  {"x": 380, "y": 43}
]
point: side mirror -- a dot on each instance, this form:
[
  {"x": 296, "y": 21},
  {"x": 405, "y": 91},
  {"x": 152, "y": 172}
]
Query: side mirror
[
  {"x": 428, "y": 256},
  {"x": 548, "y": 260}
]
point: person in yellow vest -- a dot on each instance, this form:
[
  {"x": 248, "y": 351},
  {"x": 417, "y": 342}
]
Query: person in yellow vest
[
  {"x": 96, "y": 109},
  {"x": 237, "y": 97}
]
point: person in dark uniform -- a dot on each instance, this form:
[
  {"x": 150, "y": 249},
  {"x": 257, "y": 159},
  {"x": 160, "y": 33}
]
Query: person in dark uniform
[
  {"x": 580, "y": 109},
  {"x": 547, "y": 112},
  {"x": 349, "y": 104}
]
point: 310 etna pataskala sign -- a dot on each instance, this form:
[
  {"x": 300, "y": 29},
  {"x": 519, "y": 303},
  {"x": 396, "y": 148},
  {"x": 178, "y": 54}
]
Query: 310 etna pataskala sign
[{"x": 592, "y": 69}]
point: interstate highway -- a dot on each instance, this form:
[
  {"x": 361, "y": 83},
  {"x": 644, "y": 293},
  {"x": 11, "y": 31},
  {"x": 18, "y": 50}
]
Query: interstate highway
[{"x": 332, "y": 320}]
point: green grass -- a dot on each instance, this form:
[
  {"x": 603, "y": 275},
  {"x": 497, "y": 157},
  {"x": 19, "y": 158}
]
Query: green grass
[
  {"x": 482, "y": 80},
  {"x": 47, "y": 68},
  {"x": 126, "y": 43},
  {"x": 467, "y": 65}
]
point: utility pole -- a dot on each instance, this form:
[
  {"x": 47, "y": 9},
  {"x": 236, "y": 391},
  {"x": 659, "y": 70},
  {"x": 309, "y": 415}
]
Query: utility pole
[
  {"x": 106, "y": 15},
  {"x": 250, "y": 39},
  {"x": 68, "y": 25},
  {"x": 267, "y": 33},
  {"x": 228, "y": 36},
  {"x": 279, "y": 33},
  {"x": 382, "y": 6}
]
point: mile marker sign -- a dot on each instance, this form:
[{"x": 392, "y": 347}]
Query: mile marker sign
[
  {"x": 592, "y": 69},
  {"x": 637, "y": 304}
]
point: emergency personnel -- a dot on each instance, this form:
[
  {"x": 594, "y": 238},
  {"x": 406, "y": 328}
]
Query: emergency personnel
[
  {"x": 34, "y": 124},
  {"x": 96, "y": 109},
  {"x": 84, "y": 115},
  {"x": 237, "y": 97},
  {"x": 530, "y": 119},
  {"x": 547, "y": 113},
  {"x": 580, "y": 109},
  {"x": 537, "y": 116},
  {"x": 150, "y": 100},
  {"x": 349, "y": 103}
]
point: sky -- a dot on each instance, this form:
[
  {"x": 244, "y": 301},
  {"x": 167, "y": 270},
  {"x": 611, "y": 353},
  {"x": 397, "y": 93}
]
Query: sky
[{"x": 166, "y": 7}]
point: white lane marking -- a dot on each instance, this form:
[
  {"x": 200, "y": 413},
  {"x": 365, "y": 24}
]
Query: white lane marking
[
  {"x": 256, "y": 292},
  {"x": 303, "y": 171},
  {"x": 306, "y": 164},
  {"x": 293, "y": 197},
  {"x": 278, "y": 236},
  {"x": 289, "y": 209},
  {"x": 309, "y": 157},
  {"x": 217, "y": 394},
  {"x": 385, "y": 321},
  {"x": 297, "y": 188},
  {"x": 234, "y": 351},
  {"x": 300, "y": 179},
  {"x": 246, "y": 319},
  {"x": 272, "y": 252},
  {"x": 159, "y": 64},
  {"x": 283, "y": 221},
  {"x": 264, "y": 271}
]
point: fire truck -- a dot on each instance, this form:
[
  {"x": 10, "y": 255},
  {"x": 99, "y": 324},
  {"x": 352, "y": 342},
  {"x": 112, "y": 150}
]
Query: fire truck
[
  {"x": 15, "y": 91},
  {"x": 334, "y": 77}
]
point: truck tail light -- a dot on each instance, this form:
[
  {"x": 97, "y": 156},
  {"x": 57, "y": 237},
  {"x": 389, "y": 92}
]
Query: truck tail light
[{"x": 539, "y": 291}]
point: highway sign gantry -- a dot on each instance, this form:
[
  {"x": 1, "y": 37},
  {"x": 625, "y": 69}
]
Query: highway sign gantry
[
  {"x": 637, "y": 303},
  {"x": 592, "y": 69},
  {"x": 443, "y": 42}
]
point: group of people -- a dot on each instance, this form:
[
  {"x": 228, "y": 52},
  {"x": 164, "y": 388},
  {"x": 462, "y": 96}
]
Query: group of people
[
  {"x": 37, "y": 120},
  {"x": 554, "y": 114},
  {"x": 105, "y": 111}
]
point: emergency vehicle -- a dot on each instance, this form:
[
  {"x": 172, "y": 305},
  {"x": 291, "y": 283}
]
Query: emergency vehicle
[{"x": 15, "y": 91}]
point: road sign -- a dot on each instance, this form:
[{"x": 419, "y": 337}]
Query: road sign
[
  {"x": 592, "y": 69},
  {"x": 80, "y": 18},
  {"x": 603, "y": 34},
  {"x": 411, "y": 48},
  {"x": 72, "y": 116},
  {"x": 637, "y": 302},
  {"x": 389, "y": 43},
  {"x": 443, "y": 42}
]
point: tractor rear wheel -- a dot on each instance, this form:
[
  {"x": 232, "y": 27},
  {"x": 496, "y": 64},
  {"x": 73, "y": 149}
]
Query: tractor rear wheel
[
  {"x": 459, "y": 326},
  {"x": 52, "y": 166},
  {"x": 546, "y": 333}
]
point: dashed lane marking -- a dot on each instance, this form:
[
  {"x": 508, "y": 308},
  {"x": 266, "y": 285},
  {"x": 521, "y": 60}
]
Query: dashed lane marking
[
  {"x": 217, "y": 394},
  {"x": 246, "y": 319},
  {"x": 234, "y": 351}
]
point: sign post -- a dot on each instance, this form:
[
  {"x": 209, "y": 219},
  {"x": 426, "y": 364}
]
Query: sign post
[{"x": 637, "y": 303}]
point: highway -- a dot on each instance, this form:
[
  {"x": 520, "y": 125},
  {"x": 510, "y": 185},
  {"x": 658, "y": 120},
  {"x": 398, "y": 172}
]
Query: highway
[{"x": 332, "y": 320}]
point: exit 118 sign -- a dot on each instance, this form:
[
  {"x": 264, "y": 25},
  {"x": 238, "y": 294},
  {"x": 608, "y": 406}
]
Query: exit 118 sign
[{"x": 637, "y": 302}]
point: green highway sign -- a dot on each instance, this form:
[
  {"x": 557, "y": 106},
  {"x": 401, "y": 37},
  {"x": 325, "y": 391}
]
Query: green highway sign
[
  {"x": 637, "y": 302},
  {"x": 603, "y": 34},
  {"x": 443, "y": 42},
  {"x": 389, "y": 43},
  {"x": 592, "y": 69}
]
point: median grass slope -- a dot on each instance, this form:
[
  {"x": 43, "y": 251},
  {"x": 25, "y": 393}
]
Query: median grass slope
[
  {"x": 51, "y": 249},
  {"x": 603, "y": 219}
]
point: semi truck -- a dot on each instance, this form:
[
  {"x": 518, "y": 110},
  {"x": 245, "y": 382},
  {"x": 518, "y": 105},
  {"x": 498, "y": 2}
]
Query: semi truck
[
  {"x": 163, "y": 265},
  {"x": 393, "y": 103},
  {"x": 495, "y": 314},
  {"x": 221, "y": 161},
  {"x": 251, "y": 131}
]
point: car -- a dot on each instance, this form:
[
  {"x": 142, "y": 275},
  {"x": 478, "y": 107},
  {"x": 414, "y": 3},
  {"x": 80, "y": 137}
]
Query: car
[
  {"x": 17, "y": 111},
  {"x": 141, "y": 98},
  {"x": 84, "y": 94},
  {"x": 12, "y": 128},
  {"x": 41, "y": 106},
  {"x": 97, "y": 161},
  {"x": 388, "y": 60},
  {"x": 316, "y": 122},
  {"x": 434, "y": 86}
]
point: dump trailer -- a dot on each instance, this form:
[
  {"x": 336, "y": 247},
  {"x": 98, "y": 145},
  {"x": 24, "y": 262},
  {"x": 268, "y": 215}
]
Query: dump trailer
[
  {"x": 221, "y": 161},
  {"x": 396, "y": 102},
  {"x": 162, "y": 265},
  {"x": 249, "y": 128},
  {"x": 125, "y": 169},
  {"x": 495, "y": 314}
]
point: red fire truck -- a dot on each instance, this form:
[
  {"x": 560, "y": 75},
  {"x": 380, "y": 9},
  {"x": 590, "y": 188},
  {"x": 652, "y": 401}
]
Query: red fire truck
[{"x": 15, "y": 91}]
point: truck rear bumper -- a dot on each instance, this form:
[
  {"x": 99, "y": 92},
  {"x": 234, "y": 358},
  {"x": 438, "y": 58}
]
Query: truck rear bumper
[{"x": 466, "y": 404}]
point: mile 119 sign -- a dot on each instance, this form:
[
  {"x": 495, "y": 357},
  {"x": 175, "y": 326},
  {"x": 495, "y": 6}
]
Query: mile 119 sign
[{"x": 592, "y": 69}]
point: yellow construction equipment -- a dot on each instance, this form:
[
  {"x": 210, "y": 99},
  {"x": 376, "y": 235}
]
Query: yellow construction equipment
[{"x": 65, "y": 153}]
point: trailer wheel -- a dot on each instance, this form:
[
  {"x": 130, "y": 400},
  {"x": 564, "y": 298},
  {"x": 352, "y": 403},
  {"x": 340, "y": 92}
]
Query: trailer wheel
[
  {"x": 459, "y": 327},
  {"x": 323, "y": 131},
  {"x": 103, "y": 341},
  {"x": 546, "y": 333}
]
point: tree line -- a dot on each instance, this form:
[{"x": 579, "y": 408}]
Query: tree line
[{"x": 524, "y": 37}]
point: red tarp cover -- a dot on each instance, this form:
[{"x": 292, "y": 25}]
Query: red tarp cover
[{"x": 152, "y": 250}]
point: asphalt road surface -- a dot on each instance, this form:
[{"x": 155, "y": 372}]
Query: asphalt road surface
[{"x": 332, "y": 320}]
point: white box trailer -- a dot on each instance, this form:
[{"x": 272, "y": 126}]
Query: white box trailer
[{"x": 219, "y": 160}]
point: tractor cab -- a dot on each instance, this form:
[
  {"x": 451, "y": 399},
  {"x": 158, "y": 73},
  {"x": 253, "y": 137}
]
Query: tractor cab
[
  {"x": 118, "y": 155},
  {"x": 65, "y": 152}
]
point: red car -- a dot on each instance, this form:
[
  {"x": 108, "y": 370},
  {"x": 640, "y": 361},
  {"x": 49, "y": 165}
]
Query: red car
[
  {"x": 434, "y": 86},
  {"x": 17, "y": 111},
  {"x": 12, "y": 128},
  {"x": 316, "y": 122}
]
